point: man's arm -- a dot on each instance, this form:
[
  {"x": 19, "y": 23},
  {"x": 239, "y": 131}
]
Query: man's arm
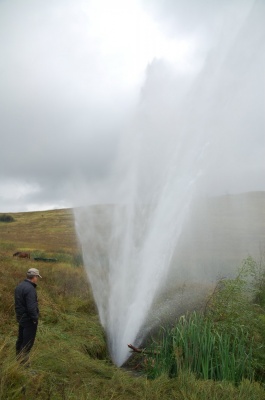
[{"x": 32, "y": 305}]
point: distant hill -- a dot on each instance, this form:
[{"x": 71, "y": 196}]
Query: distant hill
[
  {"x": 218, "y": 234},
  {"x": 48, "y": 231}
]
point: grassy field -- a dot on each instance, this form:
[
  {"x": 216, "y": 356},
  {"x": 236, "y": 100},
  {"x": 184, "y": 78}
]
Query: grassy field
[
  {"x": 49, "y": 231},
  {"x": 70, "y": 358}
]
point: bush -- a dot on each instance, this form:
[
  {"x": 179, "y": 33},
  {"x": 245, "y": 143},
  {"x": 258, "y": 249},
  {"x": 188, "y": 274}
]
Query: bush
[
  {"x": 78, "y": 260},
  {"x": 231, "y": 304},
  {"x": 6, "y": 218}
]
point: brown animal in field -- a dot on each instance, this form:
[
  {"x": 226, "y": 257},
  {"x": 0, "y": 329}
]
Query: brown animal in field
[{"x": 21, "y": 254}]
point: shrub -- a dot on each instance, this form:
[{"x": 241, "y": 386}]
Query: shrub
[
  {"x": 6, "y": 218},
  {"x": 231, "y": 304},
  {"x": 78, "y": 260}
]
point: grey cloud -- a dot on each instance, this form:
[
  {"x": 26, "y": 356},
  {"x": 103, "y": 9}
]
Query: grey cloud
[
  {"x": 64, "y": 106},
  {"x": 204, "y": 17},
  {"x": 59, "y": 108}
]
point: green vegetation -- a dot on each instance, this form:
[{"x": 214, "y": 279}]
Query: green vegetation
[
  {"x": 226, "y": 342},
  {"x": 70, "y": 359},
  {"x": 193, "y": 345}
]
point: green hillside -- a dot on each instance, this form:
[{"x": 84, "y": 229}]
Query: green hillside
[
  {"x": 70, "y": 358},
  {"x": 50, "y": 231}
]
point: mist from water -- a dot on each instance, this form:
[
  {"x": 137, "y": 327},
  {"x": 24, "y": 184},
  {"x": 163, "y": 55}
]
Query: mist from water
[{"x": 188, "y": 140}]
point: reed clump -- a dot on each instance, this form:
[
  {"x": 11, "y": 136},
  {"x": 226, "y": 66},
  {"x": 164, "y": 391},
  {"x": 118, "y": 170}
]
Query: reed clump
[
  {"x": 224, "y": 342},
  {"x": 194, "y": 345}
]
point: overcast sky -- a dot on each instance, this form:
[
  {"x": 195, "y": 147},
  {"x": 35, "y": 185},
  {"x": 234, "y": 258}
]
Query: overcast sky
[{"x": 76, "y": 76}]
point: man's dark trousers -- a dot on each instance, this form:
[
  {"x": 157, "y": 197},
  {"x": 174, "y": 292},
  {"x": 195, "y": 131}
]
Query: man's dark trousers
[{"x": 25, "y": 340}]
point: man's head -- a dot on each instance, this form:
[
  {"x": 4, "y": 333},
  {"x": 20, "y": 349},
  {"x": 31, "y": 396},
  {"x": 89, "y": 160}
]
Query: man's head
[{"x": 33, "y": 274}]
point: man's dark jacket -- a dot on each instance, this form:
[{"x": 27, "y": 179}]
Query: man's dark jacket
[{"x": 26, "y": 303}]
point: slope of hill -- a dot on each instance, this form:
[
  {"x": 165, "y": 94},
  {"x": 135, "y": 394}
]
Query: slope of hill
[
  {"x": 50, "y": 231},
  {"x": 69, "y": 359}
]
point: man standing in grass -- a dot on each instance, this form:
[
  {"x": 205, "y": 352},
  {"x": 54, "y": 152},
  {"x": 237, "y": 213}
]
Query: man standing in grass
[{"x": 27, "y": 314}]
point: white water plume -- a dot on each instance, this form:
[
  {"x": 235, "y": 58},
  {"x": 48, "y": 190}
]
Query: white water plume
[{"x": 186, "y": 141}]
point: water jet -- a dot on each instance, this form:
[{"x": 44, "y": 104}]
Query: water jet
[{"x": 163, "y": 228}]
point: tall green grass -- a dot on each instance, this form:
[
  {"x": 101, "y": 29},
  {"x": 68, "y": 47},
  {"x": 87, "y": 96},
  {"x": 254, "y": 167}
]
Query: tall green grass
[
  {"x": 194, "y": 345},
  {"x": 224, "y": 342}
]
